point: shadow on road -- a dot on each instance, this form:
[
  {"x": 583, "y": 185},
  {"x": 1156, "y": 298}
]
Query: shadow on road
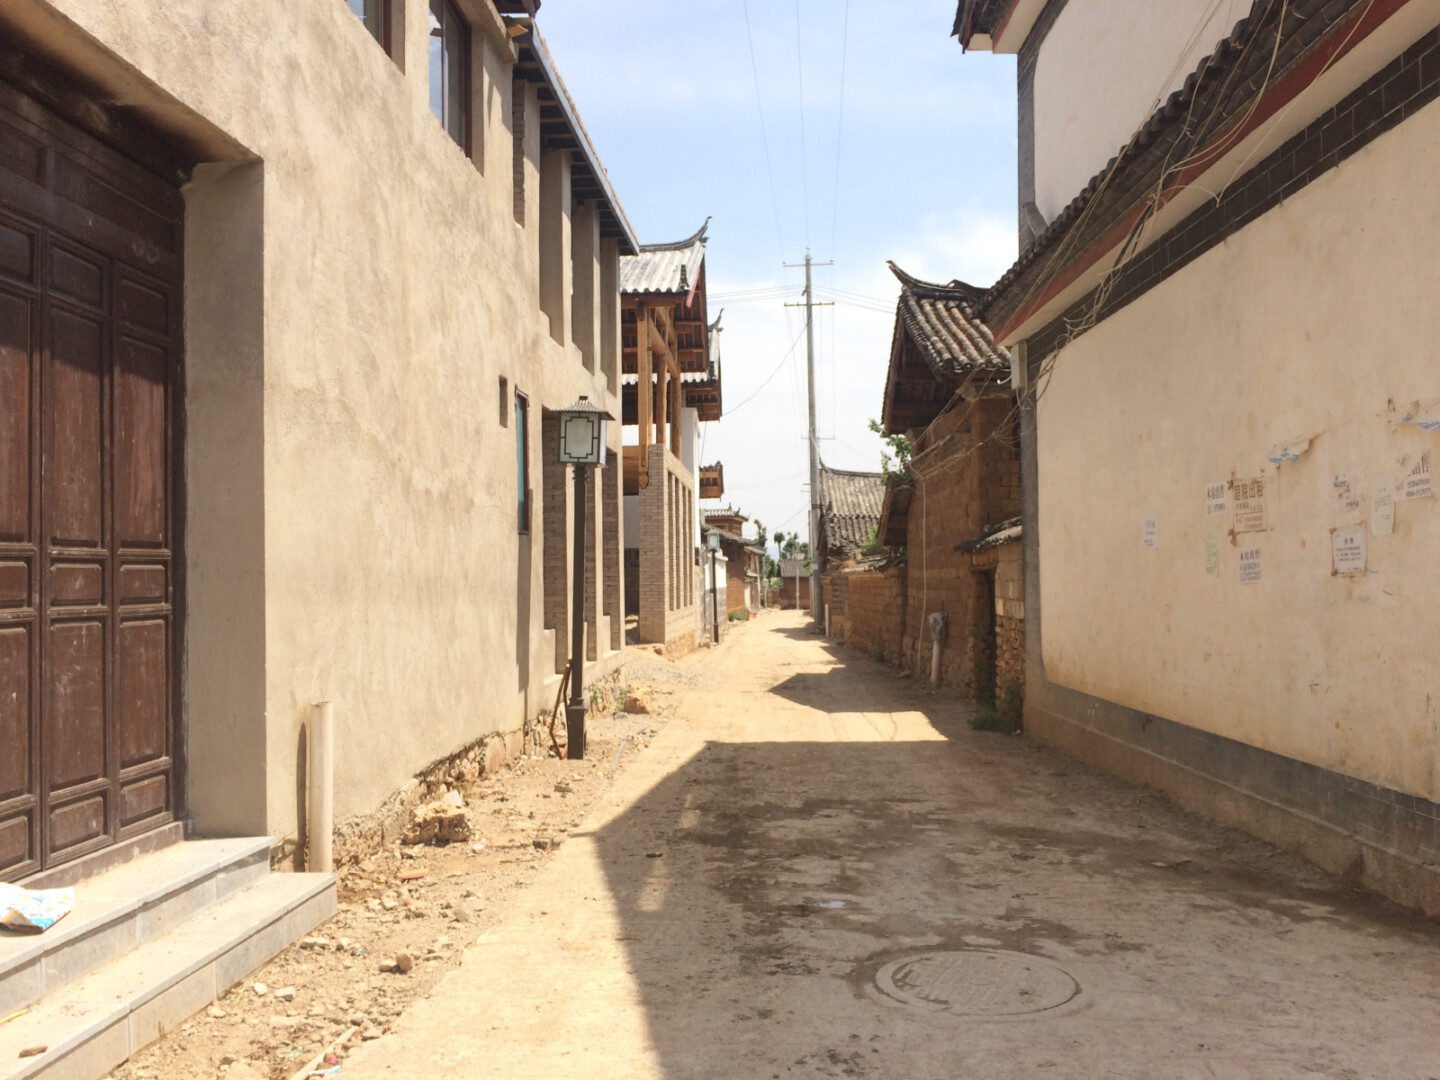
[{"x": 764, "y": 885}]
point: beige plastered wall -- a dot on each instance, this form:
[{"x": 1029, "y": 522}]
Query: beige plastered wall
[
  {"x": 394, "y": 287},
  {"x": 1316, "y": 321},
  {"x": 1103, "y": 69}
]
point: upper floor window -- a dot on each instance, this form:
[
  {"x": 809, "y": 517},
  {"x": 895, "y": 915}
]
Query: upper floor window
[
  {"x": 450, "y": 70},
  {"x": 375, "y": 14}
]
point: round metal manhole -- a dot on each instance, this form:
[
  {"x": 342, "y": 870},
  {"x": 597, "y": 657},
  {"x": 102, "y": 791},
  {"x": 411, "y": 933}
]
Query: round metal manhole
[{"x": 977, "y": 982}]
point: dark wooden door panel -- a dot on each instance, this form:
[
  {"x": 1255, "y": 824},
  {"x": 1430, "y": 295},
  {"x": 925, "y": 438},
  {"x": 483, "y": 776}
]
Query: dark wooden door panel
[
  {"x": 16, "y": 649},
  {"x": 74, "y": 732},
  {"x": 142, "y": 666},
  {"x": 141, "y": 472},
  {"x": 90, "y": 301},
  {"x": 74, "y": 468},
  {"x": 16, "y": 405}
]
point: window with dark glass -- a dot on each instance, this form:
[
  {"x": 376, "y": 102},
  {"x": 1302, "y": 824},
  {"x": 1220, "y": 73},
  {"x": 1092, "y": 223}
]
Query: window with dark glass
[
  {"x": 522, "y": 458},
  {"x": 375, "y": 14},
  {"x": 450, "y": 70}
]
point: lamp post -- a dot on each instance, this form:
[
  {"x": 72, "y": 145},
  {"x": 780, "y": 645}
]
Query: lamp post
[
  {"x": 712, "y": 545},
  {"x": 582, "y": 444}
]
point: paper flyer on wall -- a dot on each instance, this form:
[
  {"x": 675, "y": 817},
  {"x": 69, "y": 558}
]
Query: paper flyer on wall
[{"x": 1347, "y": 550}]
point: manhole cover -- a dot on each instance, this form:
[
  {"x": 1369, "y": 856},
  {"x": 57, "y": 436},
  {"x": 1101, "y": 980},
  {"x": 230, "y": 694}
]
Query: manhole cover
[{"x": 977, "y": 982}]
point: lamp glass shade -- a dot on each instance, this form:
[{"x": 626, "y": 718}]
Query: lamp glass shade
[
  {"x": 582, "y": 438},
  {"x": 712, "y": 541}
]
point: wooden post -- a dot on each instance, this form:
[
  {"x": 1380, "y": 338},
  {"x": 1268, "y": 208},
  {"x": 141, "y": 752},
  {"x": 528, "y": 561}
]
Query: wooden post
[
  {"x": 662, "y": 415},
  {"x": 643, "y": 391}
]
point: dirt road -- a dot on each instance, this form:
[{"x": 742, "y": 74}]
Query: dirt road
[{"x": 819, "y": 870}]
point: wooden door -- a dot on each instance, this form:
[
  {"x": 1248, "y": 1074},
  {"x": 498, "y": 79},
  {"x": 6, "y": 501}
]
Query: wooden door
[{"x": 90, "y": 316}]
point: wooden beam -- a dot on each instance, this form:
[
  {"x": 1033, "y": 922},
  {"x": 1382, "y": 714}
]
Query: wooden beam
[
  {"x": 662, "y": 401},
  {"x": 676, "y": 426},
  {"x": 661, "y": 346},
  {"x": 643, "y": 397}
]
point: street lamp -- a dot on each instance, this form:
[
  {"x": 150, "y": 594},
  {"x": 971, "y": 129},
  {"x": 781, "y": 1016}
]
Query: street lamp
[
  {"x": 582, "y": 444},
  {"x": 712, "y": 545}
]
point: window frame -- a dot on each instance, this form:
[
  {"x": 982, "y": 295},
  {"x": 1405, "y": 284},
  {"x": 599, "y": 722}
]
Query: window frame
[
  {"x": 522, "y": 462},
  {"x": 385, "y": 38},
  {"x": 453, "y": 11}
]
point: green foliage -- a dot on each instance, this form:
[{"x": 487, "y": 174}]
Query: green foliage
[
  {"x": 1004, "y": 715},
  {"x": 762, "y": 535},
  {"x": 872, "y": 545},
  {"x": 899, "y": 447},
  {"x": 738, "y": 616}
]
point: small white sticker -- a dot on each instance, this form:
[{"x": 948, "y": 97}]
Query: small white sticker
[
  {"x": 1417, "y": 481},
  {"x": 1382, "y": 517},
  {"x": 1249, "y": 565},
  {"x": 1217, "y": 498},
  {"x": 1347, "y": 550},
  {"x": 1150, "y": 532}
]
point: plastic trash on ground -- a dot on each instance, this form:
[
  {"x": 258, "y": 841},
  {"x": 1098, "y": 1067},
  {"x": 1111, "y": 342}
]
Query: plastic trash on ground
[{"x": 34, "y": 911}]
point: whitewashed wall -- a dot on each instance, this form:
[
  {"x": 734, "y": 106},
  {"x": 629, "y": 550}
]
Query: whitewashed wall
[
  {"x": 1103, "y": 68},
  {"x": 1319, "y": 321}
]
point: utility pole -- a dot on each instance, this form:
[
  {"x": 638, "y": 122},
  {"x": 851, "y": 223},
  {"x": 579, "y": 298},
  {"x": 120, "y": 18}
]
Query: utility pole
[{"x": 816, "y": 599}]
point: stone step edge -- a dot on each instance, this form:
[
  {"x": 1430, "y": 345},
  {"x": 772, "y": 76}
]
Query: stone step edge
[
  {"x": 67, "y": 932},
  {"x": 199, "y": 946}
]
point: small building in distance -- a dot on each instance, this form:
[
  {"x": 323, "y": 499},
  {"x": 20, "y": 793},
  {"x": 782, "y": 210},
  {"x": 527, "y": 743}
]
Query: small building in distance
[
  {"x": 850, "y": 504},
  {"x": 950, "y": 513},
  {"x": 795, "y": 583},
  {"x": 743, "y": 560},
  {"x": 671, "y": 383}
]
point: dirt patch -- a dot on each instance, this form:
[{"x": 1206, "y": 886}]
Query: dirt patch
[{"x": 407, "y": 913}]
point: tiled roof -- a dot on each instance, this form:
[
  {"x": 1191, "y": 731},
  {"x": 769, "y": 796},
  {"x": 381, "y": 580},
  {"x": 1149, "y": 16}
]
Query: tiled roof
[
  {"x": 977, "y": 17},
  {"x": 793, "y": 568},
  {"x": 664, "y": 268},
  {"x": 849, "y": 507},
  {"x": 1224, "y": 85},
  {"x": 1006, "y": 532},
  {"x": 942, "y": 321}
]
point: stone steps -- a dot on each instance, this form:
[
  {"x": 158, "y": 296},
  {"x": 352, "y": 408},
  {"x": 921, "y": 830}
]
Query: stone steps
[{"x": 149, "y": 944}]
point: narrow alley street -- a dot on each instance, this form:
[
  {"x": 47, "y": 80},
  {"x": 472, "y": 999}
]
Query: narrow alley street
[{"x": 820, "y": 869}]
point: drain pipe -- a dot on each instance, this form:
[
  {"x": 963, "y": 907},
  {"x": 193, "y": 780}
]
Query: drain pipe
[
  {"x": 937, "y": 636},
  {"x": 320, "y": 830}
]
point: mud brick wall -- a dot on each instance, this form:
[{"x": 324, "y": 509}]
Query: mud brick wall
[
  {"x": 877, "y": 612},
  {"x": 789, "y": 589},
  {"x": 1007, "y": 563},
  {"x": 967, "y": 470},
  {"x": 836, "y": 594},
  {"x": 735, "y": 585}
]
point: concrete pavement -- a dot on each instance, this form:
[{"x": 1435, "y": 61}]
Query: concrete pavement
[{"x": 819, "y": 870}]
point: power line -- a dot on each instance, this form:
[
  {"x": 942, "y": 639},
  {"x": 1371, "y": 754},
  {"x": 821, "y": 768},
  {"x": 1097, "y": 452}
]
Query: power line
[
  {"x": 764, "y": 137},
  {"x": 804, "y": 170},
  {"x": 839, "y": 128},
  {"x": 732, "y": 410}
]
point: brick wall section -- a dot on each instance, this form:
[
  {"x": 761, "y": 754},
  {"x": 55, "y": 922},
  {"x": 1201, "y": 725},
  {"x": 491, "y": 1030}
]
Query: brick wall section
[
  {"x": 735, "y": 586},
  {"x": 788, "y": 589},
  {"x": 554, "y": 517},
  {"x": 877, "y": 611},
  {"x": 1007, "y": 563},
  {"x": 615, "y": 584},
  {"x": 835, "y": 594},
  {"x": 966, "y": 480},
  {"x": 669, "y": 614}
]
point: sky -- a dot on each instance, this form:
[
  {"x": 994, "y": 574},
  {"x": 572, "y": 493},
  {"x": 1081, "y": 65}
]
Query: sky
[{"x": 862, "y": 134}]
